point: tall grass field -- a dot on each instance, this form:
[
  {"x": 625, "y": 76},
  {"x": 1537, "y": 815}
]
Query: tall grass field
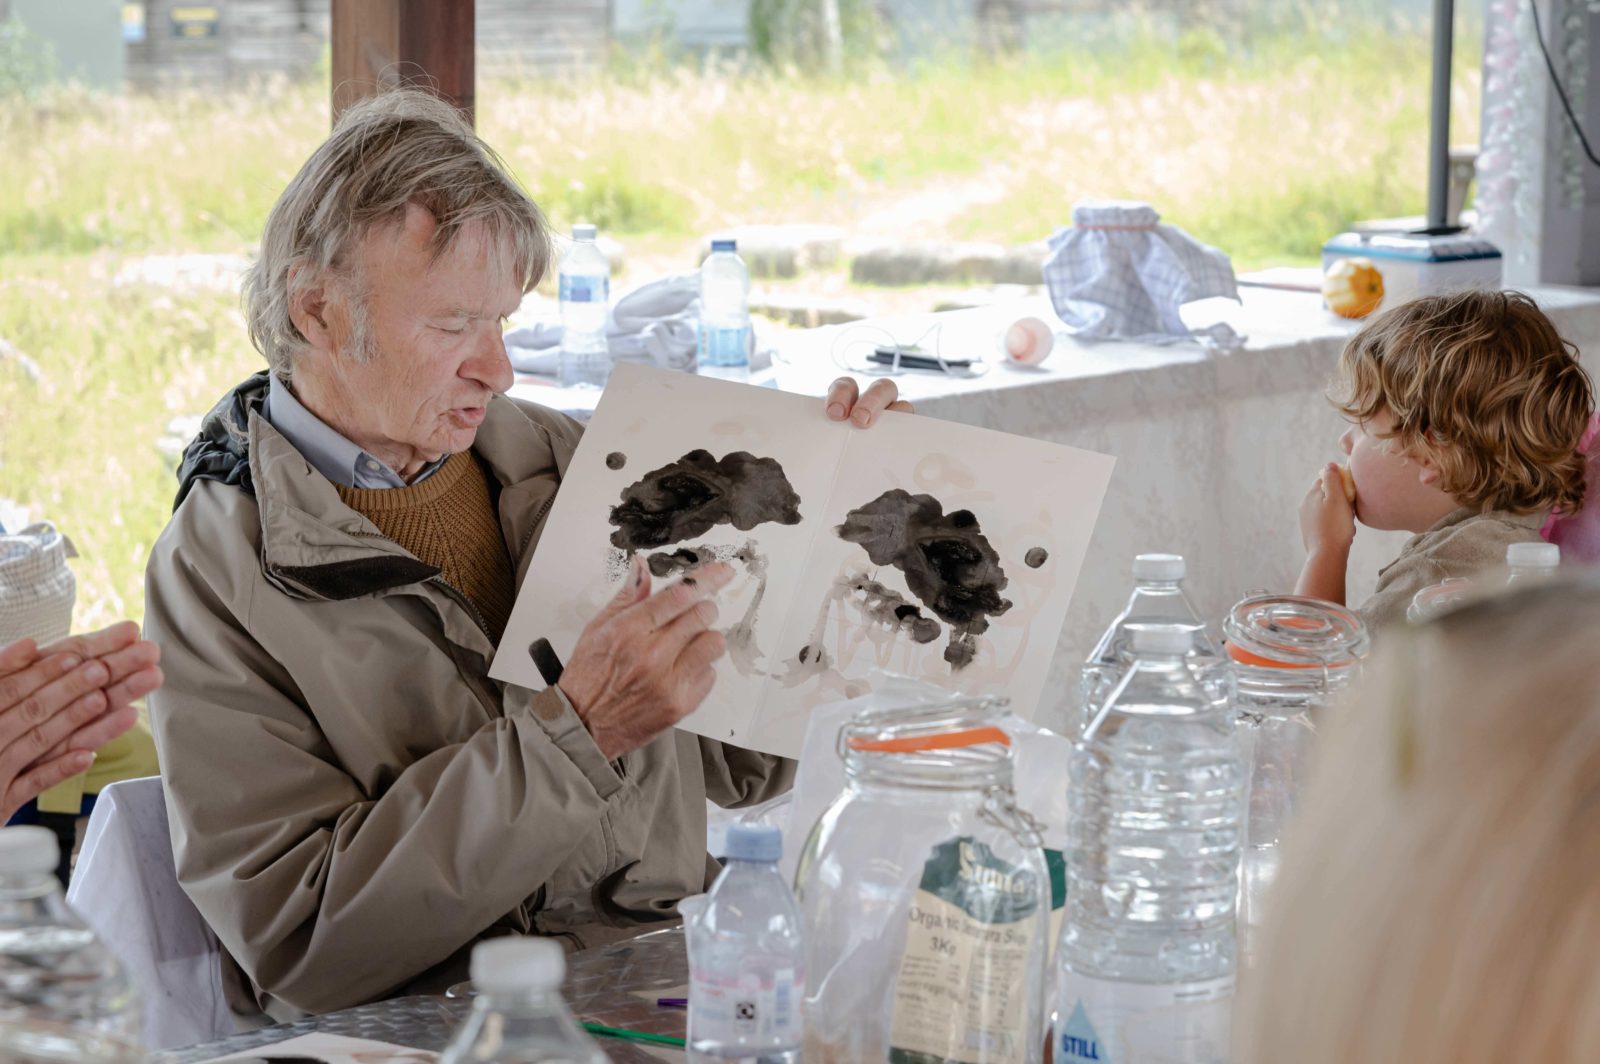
[{"x": 1263, "y": 151}]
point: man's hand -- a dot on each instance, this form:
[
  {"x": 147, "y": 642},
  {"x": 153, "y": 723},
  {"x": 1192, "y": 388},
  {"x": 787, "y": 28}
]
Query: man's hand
[
  {"x": 59, "y": 703},
  {"x": 644, "y": 663},
  {"x": 846, "y": 403}
]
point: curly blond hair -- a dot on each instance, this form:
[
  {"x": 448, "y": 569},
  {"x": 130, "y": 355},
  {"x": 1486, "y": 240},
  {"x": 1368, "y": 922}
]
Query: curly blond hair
[
  {"x": 401, "y": 147},
  {"x": 1482, "y": 384}
]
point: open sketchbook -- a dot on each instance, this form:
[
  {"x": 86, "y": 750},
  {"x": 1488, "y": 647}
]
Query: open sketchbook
[{"x": 921, "y": 547}]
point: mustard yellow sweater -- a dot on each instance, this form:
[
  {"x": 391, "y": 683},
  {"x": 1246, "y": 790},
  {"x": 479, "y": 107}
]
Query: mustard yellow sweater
[{"x": 449, "y": 521}]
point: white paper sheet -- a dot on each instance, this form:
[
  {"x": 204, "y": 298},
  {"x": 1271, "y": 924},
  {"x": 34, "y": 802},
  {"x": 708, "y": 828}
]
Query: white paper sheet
[{"x": 979, "y": 537}]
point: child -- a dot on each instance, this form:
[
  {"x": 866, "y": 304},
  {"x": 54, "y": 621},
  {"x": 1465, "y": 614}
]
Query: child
[
  {"x": 1466, "y": 411},
  {"x": 1439, "y": 901}
]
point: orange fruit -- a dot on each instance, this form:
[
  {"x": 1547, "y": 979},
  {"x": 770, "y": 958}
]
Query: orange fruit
[{"x": 1352, "y": 288}]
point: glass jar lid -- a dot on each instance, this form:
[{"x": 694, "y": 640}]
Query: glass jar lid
[
  {"x": 1293, "y": 632},
  {"x": 956, "y": 744},
  {"x": 1436, "y": 600}
]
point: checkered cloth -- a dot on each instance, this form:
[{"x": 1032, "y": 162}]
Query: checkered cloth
[
  {"x": 37, "y": 589},
  {"x": 1118, "y": 274}
]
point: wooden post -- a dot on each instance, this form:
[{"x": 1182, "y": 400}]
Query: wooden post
[{"x": 381, "y": 44}]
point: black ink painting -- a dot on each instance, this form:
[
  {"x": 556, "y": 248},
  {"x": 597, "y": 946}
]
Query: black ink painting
[
  {"x": 948, "y": 564},
  {"x": 930, "y": 551},
  {"x": 689, "y": 497}
]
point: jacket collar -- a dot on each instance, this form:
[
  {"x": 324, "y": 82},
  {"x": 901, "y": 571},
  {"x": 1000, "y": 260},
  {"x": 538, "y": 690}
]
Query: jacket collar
[
  {"x": 313, "y": 545},
  {"x": 1463, "y": 514}
]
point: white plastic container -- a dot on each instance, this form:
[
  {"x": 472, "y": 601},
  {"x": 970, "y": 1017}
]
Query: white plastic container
[{"x": 1414, "y": 264}]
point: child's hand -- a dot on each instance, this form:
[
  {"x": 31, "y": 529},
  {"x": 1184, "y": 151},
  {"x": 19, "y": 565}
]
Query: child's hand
[{"x": 1327, "y": 517}]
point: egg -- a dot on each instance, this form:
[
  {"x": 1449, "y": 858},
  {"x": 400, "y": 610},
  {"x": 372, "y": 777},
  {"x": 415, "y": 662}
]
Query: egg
[{"x": 1028, "y": 341}]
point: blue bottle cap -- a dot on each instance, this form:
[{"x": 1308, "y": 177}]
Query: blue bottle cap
[
  {"x": 724, "y": 245},
  {"x": 753, "y": 842}
]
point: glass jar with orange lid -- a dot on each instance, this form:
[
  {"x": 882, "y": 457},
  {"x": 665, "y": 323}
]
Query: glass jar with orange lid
[
  {"x": 1292, "y": 657},
  {"x": 925, "y": 898}
]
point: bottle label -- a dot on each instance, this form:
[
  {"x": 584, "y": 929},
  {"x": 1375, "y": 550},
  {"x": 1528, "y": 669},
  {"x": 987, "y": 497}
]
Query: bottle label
[
  {"x": 1056, "y": 863},
  {"x": 962, "y": 990},
  {"x": 754, "y": 1008},
  {"x": 724, "y": 347},
  {"x": 576, "y": 288},
  {"x": 1101, "y": 1021}
]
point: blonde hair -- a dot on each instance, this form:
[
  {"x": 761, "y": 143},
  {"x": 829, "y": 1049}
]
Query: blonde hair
[
  {"x": 1483, "y": 385},
  {"x": 1439, "y": 900},
  {"x": 402, "y": 147}
]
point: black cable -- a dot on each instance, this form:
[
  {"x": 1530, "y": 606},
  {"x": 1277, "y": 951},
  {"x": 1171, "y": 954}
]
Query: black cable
[{"x": 1538, "y": 35}]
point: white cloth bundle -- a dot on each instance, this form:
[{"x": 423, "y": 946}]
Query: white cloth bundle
[
  {"x": 653, "y": 324},
  {"x": 37, "y": 589},
  {"x": 1117, "y": 273}
]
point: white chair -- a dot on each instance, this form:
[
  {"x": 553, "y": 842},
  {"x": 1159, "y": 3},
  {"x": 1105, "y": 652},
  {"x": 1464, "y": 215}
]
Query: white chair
[{"x": 126, "y": 888}]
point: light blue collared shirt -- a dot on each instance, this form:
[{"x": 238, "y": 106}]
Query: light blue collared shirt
[{"x": 328, "y": 451}]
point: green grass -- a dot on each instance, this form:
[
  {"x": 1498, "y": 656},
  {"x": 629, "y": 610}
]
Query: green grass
[
  {"x": 116, "y": 363},
  {"x": 1263, "y": 147}
]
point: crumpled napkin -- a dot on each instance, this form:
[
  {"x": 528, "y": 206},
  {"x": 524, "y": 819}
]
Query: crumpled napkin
[
  {"x": 654, "y": 324},
  {"x": 1117, "y": 273}
]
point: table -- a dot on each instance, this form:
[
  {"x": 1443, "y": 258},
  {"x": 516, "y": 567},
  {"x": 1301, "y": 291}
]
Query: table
[
  {"x": 1214, "y": 451},
  {"x": 616, "y": 985}
]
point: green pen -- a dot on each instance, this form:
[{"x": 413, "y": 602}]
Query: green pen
[{"x": 632, "y": 1036}]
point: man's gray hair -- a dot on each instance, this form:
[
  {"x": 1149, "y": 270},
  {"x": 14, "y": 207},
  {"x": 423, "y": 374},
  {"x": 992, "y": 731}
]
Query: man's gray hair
[{"x": 404, "y": 146}]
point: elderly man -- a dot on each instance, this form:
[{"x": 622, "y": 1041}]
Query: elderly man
[{"x": 354, "y": 802}]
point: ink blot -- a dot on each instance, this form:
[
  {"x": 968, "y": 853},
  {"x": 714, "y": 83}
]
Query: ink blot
[
  {"x": 665, "y": 564},
  {"x": 687, "y": 498},
  {"x": 743, "y": 650},
  {"x": 810, "y": 655},
  {"x": 616, "y": 460},
  {"x": 1036, "y": 557},
  {"x": 887, "y": 606},
  {"x": 948, "y": 563},
  {"x": 962, "y": 649}
]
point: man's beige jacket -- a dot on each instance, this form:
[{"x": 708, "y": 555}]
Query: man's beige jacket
[{"x": 354, "y": 802}]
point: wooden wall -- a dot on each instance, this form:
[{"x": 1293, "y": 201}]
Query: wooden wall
[{"x": 255, "y": 38}]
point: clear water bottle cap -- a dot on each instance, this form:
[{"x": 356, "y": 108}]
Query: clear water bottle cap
[
  {"x": 754, "y": 842},
  {"x": 517, "y": 964},
  {"x": 1162, "y": 567},
  {"x": 583, "y": 231},
  {"x": 724, "y": 245},
  {"x": 28, "y": 850},
  {"x": 1162, "y": 639},
  {"x": 1533, "y": 555}
]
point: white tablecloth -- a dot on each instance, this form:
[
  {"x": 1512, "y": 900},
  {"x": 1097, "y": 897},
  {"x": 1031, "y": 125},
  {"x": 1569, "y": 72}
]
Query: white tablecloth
[{"x": 1214, "y": 452}]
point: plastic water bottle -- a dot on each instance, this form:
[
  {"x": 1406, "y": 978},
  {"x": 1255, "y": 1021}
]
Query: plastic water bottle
[
  {"x": 518, "y": 1016},
  {"x": 1157, "y": 598},
  {"x": 1154, "y": 827},
  {"x": 1531, "y": 563},
  {"x": 747, "y": 958},
  {"x": 585, "y": 302},
  {"x": 725, "y": 313},
  {"x": 63, "y": 996}
]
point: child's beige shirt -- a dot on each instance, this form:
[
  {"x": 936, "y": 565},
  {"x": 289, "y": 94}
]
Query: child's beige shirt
[{"x": 1462, "y": 544}]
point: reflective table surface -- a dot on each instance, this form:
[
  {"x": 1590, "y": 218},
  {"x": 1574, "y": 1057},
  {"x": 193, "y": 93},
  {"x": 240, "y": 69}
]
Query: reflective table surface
[{"x": 615, "y": 985}]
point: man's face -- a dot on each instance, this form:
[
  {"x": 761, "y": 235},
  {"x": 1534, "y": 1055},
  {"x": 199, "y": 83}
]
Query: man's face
[{"x": 435, "y": 344}]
